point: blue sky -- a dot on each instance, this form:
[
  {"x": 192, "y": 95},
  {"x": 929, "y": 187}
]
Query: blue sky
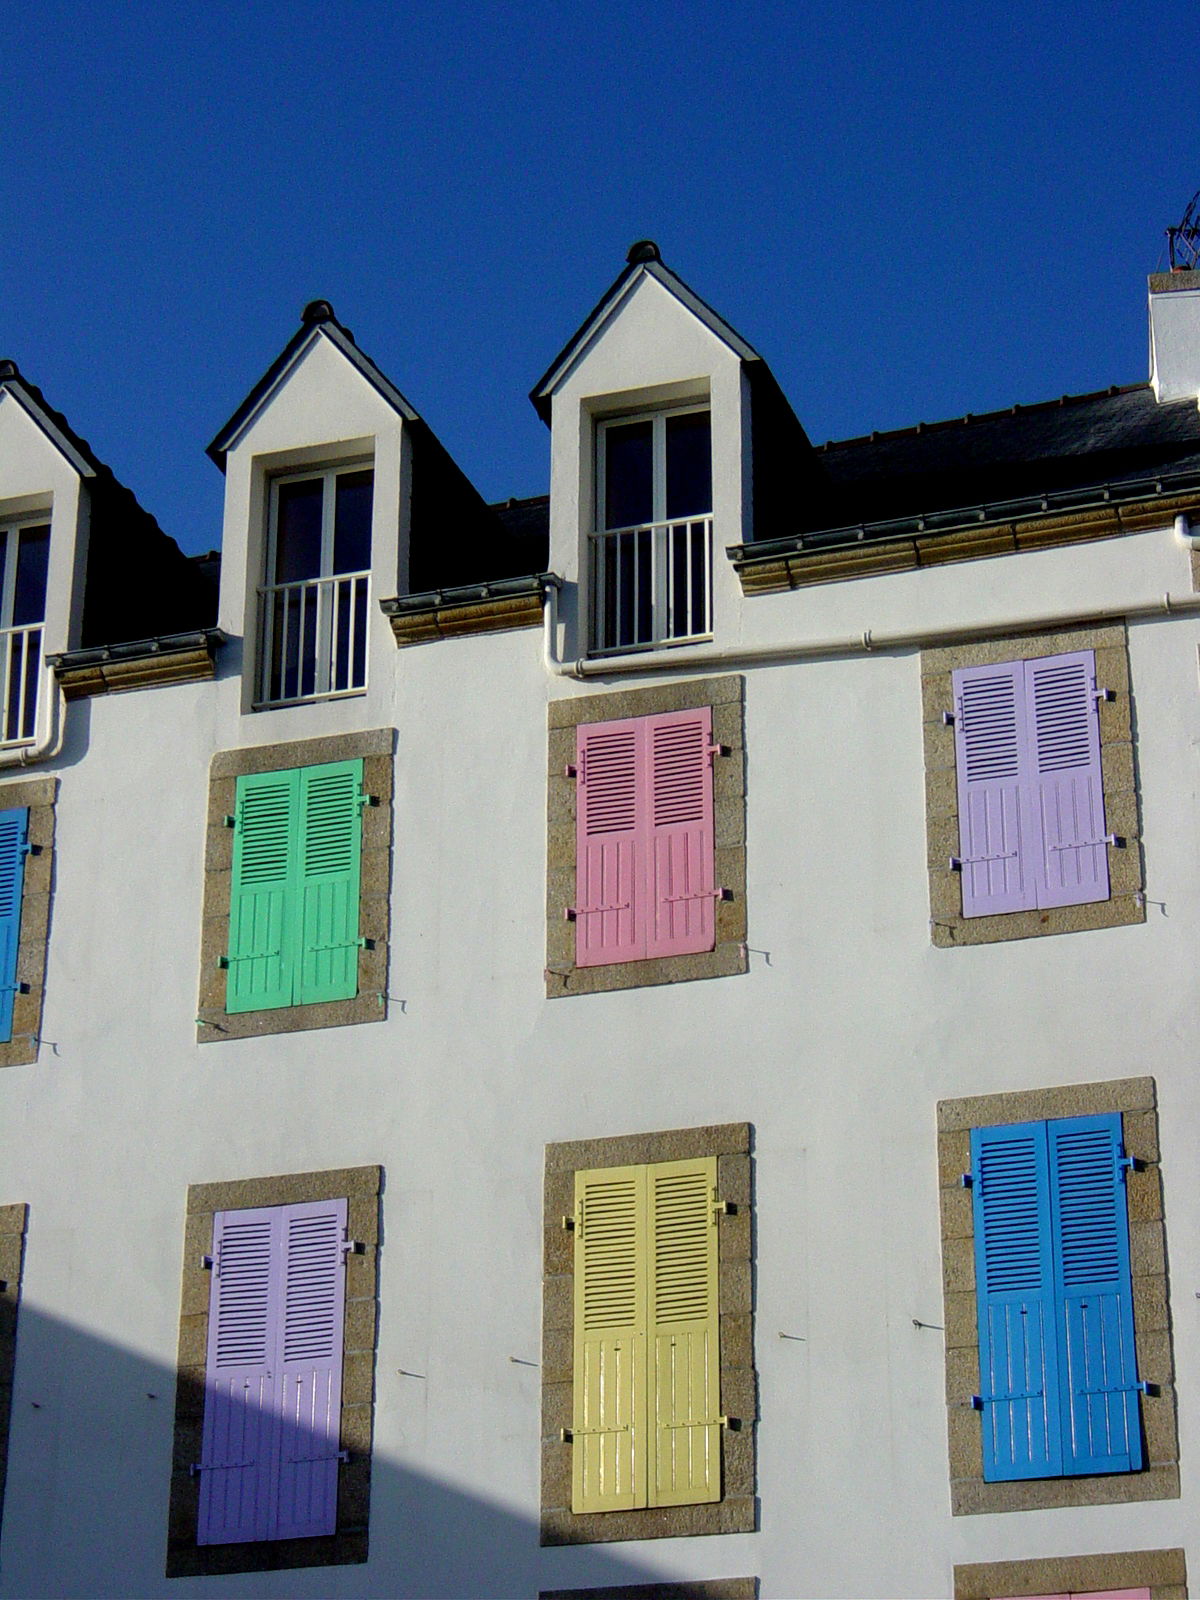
[{"x": 911, "y": 210}]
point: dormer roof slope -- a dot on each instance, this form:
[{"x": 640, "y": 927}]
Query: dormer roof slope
[
  {"x": 138, "y": 583},
  {"x": 317, "y": 321}
]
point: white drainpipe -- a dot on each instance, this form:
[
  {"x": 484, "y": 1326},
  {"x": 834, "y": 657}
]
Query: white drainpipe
[{"x": 48, "y": 743}]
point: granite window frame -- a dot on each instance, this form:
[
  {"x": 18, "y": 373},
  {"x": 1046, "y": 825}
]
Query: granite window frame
[
  {"x": 726, "y": 697},
  {"x": 682, "y": 1589},
  {"x": 1126, "y": 899},
  {"x": 14, "y": 1220},
  {"x": 1136, "y": 1102},
  {"x": 39, "y": 796},
  {"x": 736, "y": 1510},
  {"x": 362, "y": 1188},
  {"x": 1163, "y": 1572},
  {"x": 375, "y": 748}
]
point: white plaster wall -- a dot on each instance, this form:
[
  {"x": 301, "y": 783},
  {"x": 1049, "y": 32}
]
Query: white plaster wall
[{"x": 836, "y": 1046}]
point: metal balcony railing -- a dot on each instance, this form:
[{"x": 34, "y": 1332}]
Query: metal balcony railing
[
  {"x": 21, "y": 682},
  {"x": 651, "y": 585},
  {"x": 313, "y": 642}
]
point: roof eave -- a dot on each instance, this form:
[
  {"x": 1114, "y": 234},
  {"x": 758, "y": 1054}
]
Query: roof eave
[{"x": 15, "y": 387}]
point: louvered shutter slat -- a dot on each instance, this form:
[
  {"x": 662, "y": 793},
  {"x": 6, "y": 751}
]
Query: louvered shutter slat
[
  {"x": 1066, "y": 780},
  {"x": 683, "y": 1338},
  {"x": 680, "y": 838},
  {"x": 609, "y": 843},
  {"x": 609, "y": 1400},
  {"x": 241, "y": 1400},
  {"x": 14, "y": 832},
  {"x": 311, "y": 1368},
  {"x": 1101, "y": 1428},
  {"x": 262, "y": 909},
  {"x": 994, "y": 814},
  {"x": 329, "y": 865},
  {"x": 1014, "y": 1280}
]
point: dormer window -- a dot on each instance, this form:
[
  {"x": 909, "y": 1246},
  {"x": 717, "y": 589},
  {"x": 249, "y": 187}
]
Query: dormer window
[
  {"x": 24, "y": 555},
  {"x": 651, "y": 551},
  {"x": 314, "y": 604}
]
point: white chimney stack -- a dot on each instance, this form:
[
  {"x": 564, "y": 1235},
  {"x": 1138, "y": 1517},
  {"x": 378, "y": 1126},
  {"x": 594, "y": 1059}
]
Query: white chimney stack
[{"x": 1175, "y": 335}]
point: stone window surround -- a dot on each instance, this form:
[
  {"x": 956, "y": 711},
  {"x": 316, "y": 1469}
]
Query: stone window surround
[
  {"x": 1135, "y": 1100},
  {"x": 735, "y": 1512},
  {"x": 13, "y": 1221},
  {"x": 213, "y": 1022},
  {"x": 361, "y": 1187},
  {"x": 685, "y": 1589},
  {"x": 726, "y": 697},
  {"x": 1126, "y": 902},
  {"x": 39, "y": 795},
  {"x": 1163, "y": 1572}
]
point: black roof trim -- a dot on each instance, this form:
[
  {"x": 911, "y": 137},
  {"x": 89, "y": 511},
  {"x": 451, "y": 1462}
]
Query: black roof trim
[
  {"x": 135, "y": 649},
  {"x": 471, "y": 593},
  {"x": 958, "y": 517},
  {"x": 317, "y": 321},
  {"x": 644, "y": 265}
]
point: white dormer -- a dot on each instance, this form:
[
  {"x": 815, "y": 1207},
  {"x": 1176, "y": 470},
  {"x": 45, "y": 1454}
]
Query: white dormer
[
  {"x": 654, "y": 407},
  {"x": 317, "y": 464},
  {"x": 1175, "y": 335}
]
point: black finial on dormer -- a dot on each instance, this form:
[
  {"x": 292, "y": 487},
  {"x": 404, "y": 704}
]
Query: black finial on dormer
[
  {"x": 8, "y": 369},
  {"x": 643, "y": 250},
  {"x": 317, "y": 311}
]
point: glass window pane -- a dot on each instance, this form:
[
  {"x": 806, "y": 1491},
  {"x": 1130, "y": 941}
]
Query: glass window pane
[
  {"x": 628, "y": 475},
  {"x": 298, "y": 531},
  {"x": 29, "y": 596},
  {"x": 689, "y": 465},
  {"x": 352, "y": 522}
]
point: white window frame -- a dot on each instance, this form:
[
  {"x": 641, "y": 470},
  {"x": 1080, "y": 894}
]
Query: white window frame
[
  {"x": 11, "y": 529},
  {"x": 657, "y": 417}
]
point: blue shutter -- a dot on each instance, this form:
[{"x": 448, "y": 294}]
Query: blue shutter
[
  {"x": 14, "y": 833},
  {"x": 1014, "y": 1285},
  {"x": 1100, "y": 1422}
]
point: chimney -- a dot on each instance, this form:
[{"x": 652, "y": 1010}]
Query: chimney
[{"x": 1175, "y": 334}]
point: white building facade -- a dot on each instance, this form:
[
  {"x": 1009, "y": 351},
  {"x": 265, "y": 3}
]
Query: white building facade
[{"x": 644, "y": 1039}]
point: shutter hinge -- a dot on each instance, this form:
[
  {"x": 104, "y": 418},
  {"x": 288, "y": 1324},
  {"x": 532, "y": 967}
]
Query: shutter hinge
[
  {"x": 28, "y": 849},
  {"x": 223, "y": 962},
  {"x": 566, "y": 1435},
  {"x": 976, "y": 1402},
  {"x": 368, "y": 799},
  {"x": 1153, "y": 1390},
  {"x": 3, "y": 1285},
  {"x": 1105, "y": 694},
  {"x": 722, "y": 894},
  {"x": 354, "y": 1247},
  {"x": 568, "y": 1224},
  {"x": 365, "y": 943},
  {"x": 206, "y": 1263},
  {"x": 570, "y": 770},
  {"x": 228, "y": 822},
  {"x": 1130, "y": 1164},
  {"x": 724, "y": 1208},
  {"x": 956, "y": 864},
  {"x": 716, "y": 750},
  {"x": 569, "y": 913},
  {"x": 1115, "y": 839},
  {"x": 967, "y": 1180},
  {"x": 948, "y": 719}
]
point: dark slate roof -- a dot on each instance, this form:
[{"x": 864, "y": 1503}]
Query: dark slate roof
[
  {"x": 138, "y": 582},
  {"x": 1114, "y": 437},
  {"x": 526, "y": 529}
]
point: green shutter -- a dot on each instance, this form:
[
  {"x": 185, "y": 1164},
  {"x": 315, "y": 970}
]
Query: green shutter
[
  {"x": 609, "y": 1416},
  {"x": 328, "y": 871},
  {"x": 262, "y": 932}
]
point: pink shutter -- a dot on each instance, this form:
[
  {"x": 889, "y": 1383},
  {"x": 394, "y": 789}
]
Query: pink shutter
[
  {"x": 314, "y": 1278},
  {"x": 1067, "y": 787},
  {"x": 609, "y": 925},
  {"x": 997, "y": 847},
  {"x": 241, "y": 1379},
  {"x": 680, "y": 837}
]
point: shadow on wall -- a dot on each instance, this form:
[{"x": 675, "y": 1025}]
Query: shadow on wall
[{"x": 88, "y": 1489}]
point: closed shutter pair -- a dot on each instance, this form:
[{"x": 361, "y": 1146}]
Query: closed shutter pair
[
  {"x": 1030, "y": 787},
  {"x": 1055, "y": 1301},
  {"x": 646, "y": 1428},
  {"x": 293, "y": 914},
  {"x": 273, "y": 1374},
  {"x": 644, "y": 838},
  {"x": 14, "y": 846}
]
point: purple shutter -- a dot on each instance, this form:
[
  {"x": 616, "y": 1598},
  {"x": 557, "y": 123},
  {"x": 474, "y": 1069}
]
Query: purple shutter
[
  {"x": 609, "y": 922},
  {"x": 680, "y": 840},
  {"x": 311, "y": 1368},
  {"x": 240, "y": 1398},
  {"x": 995, "y": 821},
  {"x": 1066, "y": 783}
]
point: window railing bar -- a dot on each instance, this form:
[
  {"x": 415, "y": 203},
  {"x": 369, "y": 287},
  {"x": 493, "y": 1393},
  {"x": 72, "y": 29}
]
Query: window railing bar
[
  {"x": 651, "y": 584},
  {"x": 312, "y": 636}
]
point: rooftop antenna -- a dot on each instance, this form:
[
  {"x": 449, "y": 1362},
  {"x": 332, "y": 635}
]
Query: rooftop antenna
[{"x": 1183, "y": 242}]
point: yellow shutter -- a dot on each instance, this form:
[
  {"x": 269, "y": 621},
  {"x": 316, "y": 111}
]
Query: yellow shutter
[
  {"x": 609, "y": 1428},
  {"x": 684, "y": 1341}
]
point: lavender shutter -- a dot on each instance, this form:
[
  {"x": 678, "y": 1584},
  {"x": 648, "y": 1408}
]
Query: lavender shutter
[
  {"x": 1014, "y": 1287},
  {"x": 678, "y": 807},
  {"x": 1100, "y": 1423},
  {"x": 1065, "y": 780},
  {"x": 241, "y": 1387},
  {"x": 609, "y": 843},
  {"x": 314, "y": 1276},
  {"x": 998, "y": 853}
]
